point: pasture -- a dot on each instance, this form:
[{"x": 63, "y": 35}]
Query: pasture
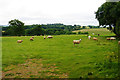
[
  {"x": 59, "y": 58},
  {"x": 101, "y": 31}
]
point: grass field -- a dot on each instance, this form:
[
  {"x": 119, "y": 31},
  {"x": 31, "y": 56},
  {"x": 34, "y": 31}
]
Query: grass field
[
  {"x": 59, "y": 58},
  {"x": 101, "y": 31}
]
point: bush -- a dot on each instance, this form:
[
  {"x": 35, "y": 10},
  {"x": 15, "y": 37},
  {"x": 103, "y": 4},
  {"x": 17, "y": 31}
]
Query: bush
[
  {"x": 68, "y": 32},
  {"x": 85, "y": 33},
  {"x": 79, "y": 32}
]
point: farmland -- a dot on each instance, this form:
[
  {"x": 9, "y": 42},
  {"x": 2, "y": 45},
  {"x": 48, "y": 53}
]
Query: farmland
[{"x": 59, "y": 58}]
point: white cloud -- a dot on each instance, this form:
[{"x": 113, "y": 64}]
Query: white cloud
[{"x": 50, "y": 11}]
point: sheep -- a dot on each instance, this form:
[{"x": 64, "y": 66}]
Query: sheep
[
  {"x": 89, "y": 37},
  {"x": 31, "y": 39},
  {"x": 119, "y": 42},
  {"x": 112, "y": 38},
  {"x": 95, "y": 38},
  {"x": 19, "y": 41},
  {"x": 93, "y": 33},
  {"x": 76, "y": 41},
  {"x": 50, "y": 37},
  {"x": 107, "y": 38},
  {"x": 44, "y": 37}
]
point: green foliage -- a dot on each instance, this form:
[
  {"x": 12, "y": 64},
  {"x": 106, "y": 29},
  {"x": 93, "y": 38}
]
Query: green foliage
[
  {"x": 29, "y": 32},
  {"x": 68, "y": 32},
  {"x": 57, "y": 33},
  {"x": 9, "y": 74},
  {"x": 79, "y": 32},
  {"x": 16, "y": 28},
  {"x": 109, "y": 14},
  {"x": 109, "y": 66},
  {"x": 93, "y": 26},
  {"x": 73, "y": 32},
  {"x": 37, "y": 29}
]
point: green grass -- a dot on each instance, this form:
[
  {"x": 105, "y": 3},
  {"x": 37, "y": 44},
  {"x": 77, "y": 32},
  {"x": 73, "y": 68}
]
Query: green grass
[
  {"x": 77, "y": 60},
  {"x": 101, "y": 31}
]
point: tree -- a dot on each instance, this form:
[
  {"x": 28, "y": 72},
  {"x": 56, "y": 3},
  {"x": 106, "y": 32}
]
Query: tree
[
  {"x": 29, "y": 32},
  {"x": 16, "y": 27},
  {"x": 108, "y": 14},
  {"x": 57, "y": 33},
  {"x": 37, "y": 30},
  {"x": 84, "y": 27}
]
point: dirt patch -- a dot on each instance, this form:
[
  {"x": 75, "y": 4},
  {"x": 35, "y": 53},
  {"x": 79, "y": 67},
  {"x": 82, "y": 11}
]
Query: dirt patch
[{"x": 33, "y": 68}]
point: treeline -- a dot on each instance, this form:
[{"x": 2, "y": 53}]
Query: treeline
[{"x": 17, "y": 28}]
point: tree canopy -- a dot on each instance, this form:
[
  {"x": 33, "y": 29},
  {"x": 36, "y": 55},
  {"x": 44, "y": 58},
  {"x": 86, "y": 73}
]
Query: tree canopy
[
  {"x": 108, "y": 14},
  {"x": 16, "y": 27}
]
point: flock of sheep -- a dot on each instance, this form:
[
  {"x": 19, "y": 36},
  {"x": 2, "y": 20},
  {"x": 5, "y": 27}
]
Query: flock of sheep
[
  {"x": 32, "y": 38},
  {"x": 94, "y": 38},
  {"x": 74, "y": 41}
]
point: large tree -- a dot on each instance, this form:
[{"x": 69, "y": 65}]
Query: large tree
[
  {"x": 108, "y": 14},
  {"x": 16, "y": 27}
]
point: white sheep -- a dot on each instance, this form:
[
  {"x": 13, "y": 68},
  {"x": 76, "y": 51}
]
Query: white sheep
[
  {"x": 50, "y": 37},
  {"x": 89, "y": 37},
  {"x": 76, "y": 41},
  {"x": 112, "y": 38},
  {"x": 19, "y": 41}
]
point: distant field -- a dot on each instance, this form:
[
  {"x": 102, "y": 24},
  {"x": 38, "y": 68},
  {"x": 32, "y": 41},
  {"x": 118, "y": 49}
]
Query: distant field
[
  {"x": 101, "y": 31},
  {"x": 59, "y": 58}
]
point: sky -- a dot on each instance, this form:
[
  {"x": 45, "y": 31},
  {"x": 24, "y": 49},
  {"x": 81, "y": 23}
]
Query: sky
[{"x": 69, "y": 12}]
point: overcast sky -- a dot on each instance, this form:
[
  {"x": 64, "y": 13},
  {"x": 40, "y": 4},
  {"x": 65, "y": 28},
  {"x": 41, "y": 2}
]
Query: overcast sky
[{"x": 70, "y": 12}]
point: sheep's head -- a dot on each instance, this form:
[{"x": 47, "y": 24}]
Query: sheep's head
[{"x": 80, "y": 39}]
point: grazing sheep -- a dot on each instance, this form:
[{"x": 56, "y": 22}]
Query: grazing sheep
[
  {"x": 76, "y": 41},
  {"x": 89, "y": 37},
  {"x": 31, "y": 39},
  {"x": 50, "y": 37},
  {"x": 95, "y": 38},
  {"x": 44, "y": 37},
  {"x": 108, "y": 38},
  {"x": 112, "y": 38},
  {"x": 19, "y": 41},
  {"x": 119, "y": 42},
  {"x": 93, "y": 33}
]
